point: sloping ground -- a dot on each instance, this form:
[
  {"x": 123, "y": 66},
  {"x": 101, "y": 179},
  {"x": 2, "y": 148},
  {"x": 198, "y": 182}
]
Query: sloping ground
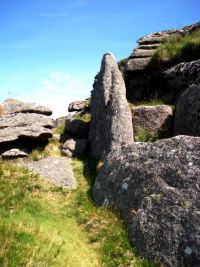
[{"x": 43, "y": 224}]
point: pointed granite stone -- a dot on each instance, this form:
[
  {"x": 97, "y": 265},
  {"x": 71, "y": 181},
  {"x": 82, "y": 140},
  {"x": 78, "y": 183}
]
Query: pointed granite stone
[{"x": 111, "y": 123}]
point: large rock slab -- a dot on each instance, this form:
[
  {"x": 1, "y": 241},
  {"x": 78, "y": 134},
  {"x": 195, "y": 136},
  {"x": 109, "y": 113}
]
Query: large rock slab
[
  {"x": 22, "y": 126},
  {"x": 59, "y": 170},
  {"x": 111, "y": 122},
  {"x": 25, "y": 120},
  {"x": 156, "y": 189},
  {"x": 11, "y": 106},
  {"x": 10, "y": 134},
  {"x": 154, "y": 119},
  {"x": 187, "y": 115}
]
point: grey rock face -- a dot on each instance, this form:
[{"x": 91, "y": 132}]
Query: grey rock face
[
  {"x": 77, "y": 128},
  {"x": 141, "y": 56},
  {"x": 156, "y": 188},
  {"x": 11, "y": 106},
  {"x": 79, "y": 105},
  {"x": 10, "y": 134},
  {"x": 137, "y": 63},
  {"x": 57, "y": 169},
  {"x": 182, "y": 75},
  {"x": 154, "y": 119},
  {"x": 187, "y": 115},
  {"x": 74, "y": 147},
  {"x": 111, "y": 123},
  {"x": 164, "y": 84},
  {"x": 23, "y": 120},
  {"x": 21, "y": 128}
]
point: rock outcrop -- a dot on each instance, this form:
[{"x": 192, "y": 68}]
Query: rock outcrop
[
  {"x": 111, "y": 123},
  {"x": 25, "y": 120},
  {"x": 11, "y": 106},
  {"x": 154, "y": 119},
  {"x": 142, "y": 54},
  {"x": 156, "y": 189},
  {"x": 166, "y": 85},
  {"x": 21, "y": 128},
  {"x": 187, "y": 115}
]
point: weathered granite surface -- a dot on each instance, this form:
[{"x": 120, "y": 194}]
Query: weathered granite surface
[
  {"x": 23, "y": 125},
  {"x": 57, "y": 169},
  {"x": 111, "y": 122},
  {"x": 11, "y": 106},
  {"x": 23, "y": 120},
  {"x": 82, "y": 106},
  {"x": 39, "y": 133},
  {"x": 142, "y": 54},
  {"x": 154, "y": 119},
  {"x": 187, "y": 115},
  {"x": 156, "y": 189}
]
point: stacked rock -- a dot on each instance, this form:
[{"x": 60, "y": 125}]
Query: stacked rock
[{"x": 23, "y": 126}]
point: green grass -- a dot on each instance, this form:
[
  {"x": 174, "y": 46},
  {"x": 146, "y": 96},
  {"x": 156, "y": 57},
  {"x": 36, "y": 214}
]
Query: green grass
[
  {"x": 51, "y": 149},
  {"x": 84, "y": 117},
  {"x": 177, "y": 49},
  {"x": 122, "y": 62},
  {"x": 42, "y": 224},
  {"x": 144, "y": 135}
]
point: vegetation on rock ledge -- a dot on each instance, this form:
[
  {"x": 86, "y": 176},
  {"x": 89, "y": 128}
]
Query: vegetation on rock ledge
[{"x": 177, "y": 49}]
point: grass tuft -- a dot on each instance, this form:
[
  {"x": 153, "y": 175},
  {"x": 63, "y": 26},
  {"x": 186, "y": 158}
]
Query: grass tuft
[
  {"x": 144, "y": 135},
  {"x": 84, "y": 117},
  {"x": 177, "y": 49}
]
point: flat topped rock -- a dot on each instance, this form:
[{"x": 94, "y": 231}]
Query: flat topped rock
[
  {"x": 22, "y": 120},
  {"x": 14, "y": 153},
  {"x": 11, "y": 106},
  {"x": 56, "y": 169},
  {"x": 32, "y": 132}
]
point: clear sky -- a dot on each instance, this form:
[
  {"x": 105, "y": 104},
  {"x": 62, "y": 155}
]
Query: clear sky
[{"x": 50, "y": 50}]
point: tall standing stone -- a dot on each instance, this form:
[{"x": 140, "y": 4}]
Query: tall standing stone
[{"x": 111, "y": 123}]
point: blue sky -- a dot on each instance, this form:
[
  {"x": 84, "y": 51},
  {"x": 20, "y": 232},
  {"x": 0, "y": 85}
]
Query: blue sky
[{"x": 51, "y": 50}]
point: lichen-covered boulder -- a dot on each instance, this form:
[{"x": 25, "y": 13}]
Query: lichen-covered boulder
[
  {"x": 156, "y": 188},
  {"x": 154, "y": 119},
  {"x": 187, "y": 115},
  {"x": 111, "y": 122}
]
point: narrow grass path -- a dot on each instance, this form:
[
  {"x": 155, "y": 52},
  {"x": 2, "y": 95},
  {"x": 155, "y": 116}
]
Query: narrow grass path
[{"x": 42, "y": 224}]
